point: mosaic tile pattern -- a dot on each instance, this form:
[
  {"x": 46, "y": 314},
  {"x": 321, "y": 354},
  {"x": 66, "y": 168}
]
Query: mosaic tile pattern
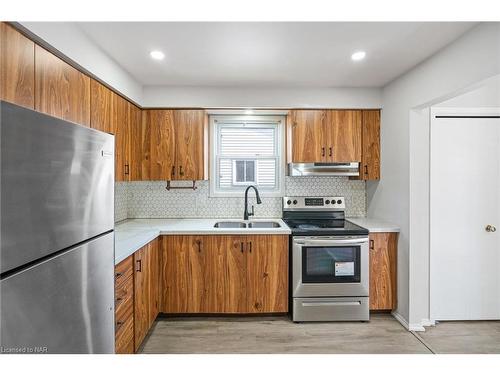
[
  {"x": 121, "y": 201},
  {"x": 150, "y": 199}
]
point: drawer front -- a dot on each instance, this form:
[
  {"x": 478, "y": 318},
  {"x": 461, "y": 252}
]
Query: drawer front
[
  {"x": 124, "y": 299},
  {"x": 124, "y": 337},
  {"x": 124, "y": 270},
  {"x": 330, "y": 309}
]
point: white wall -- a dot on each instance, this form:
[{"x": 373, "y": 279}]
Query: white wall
[
  {"x": 227, "y": 97},
  {"x": 70, "y": 40},
  {"x": 487, "y": 95},
  {"x": 472, "y": 58}
]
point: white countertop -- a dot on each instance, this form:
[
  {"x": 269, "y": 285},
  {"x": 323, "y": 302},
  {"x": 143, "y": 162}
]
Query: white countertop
[
  {"x": 133, "y": 234},
  {"x": 374, "y": 225}
]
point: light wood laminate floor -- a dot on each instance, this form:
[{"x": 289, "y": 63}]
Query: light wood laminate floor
[
  {"x": 383, "y": 334},
  {"x": 472, "y": 337}
]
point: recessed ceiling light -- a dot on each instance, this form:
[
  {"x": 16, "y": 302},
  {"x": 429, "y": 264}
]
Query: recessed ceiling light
[
  {"x": 358, "y": 55},
  {"x": 157, "y": 55}
]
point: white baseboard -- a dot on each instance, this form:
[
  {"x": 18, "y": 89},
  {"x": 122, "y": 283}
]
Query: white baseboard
[
  {"x": 428, "y": 323},
  {"x": 400, "y": 319},
  {"x": 412, "y": 327}
]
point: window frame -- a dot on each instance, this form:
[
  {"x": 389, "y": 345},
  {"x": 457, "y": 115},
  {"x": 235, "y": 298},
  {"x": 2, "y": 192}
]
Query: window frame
[{"x": 216, "y": 121}]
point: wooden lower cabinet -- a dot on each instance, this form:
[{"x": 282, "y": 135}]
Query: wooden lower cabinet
[
  {"x": 383, "y": 271},
  {"x": 136, "y": 297},
  {"x": 267, "y": 274},
  {"x": 224, "y": 274},
  {"x": 146, "y": 271},
  {"x": 124, "y": 307}
]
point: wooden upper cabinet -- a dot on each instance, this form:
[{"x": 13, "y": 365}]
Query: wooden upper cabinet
[
  {"x": 61, "y": 90},
  {"x": 177, "y": 144},
  {"x": 383, "y": 271},
  {"x": 308, "y": 136},
  {"x": 17, "y": 67},
  {"x": 189, "y": 142},
  {"x": 267, "y": 273},
  {"x": 112, "y": 114},
  {"x": 343, "y": 136},
  {"x": 162, "y": 143},
  {"x": 101, "y": 104},
  {"x": 370, "y": 164},
  {"x": 325, "y": 136},
  {"x": 120, "y": 113},
  {"x": 139, "y": 139}
]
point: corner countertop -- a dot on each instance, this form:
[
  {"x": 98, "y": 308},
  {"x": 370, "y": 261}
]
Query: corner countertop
[
  {"x": 374, "y": 225},
  {"x": 132, "y": 234}
]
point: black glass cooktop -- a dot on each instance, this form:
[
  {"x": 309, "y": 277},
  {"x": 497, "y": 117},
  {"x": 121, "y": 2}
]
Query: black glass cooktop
[{"x": 324, "y": 227}]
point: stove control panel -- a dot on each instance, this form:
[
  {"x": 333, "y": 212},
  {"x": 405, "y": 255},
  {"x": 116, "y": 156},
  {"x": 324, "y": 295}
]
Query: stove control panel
[{"x": 314, "y": 203}]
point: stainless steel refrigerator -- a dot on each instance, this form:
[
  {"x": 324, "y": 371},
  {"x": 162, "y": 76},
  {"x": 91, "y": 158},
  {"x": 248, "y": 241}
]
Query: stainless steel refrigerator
[{"x": 57, "y": 239}]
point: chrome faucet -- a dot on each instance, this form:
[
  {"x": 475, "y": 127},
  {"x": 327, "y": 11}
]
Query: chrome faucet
[{"x": 246, "y": 214}]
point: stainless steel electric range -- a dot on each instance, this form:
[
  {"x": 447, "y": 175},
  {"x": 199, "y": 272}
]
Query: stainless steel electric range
[{"x": 329, "y": 261}]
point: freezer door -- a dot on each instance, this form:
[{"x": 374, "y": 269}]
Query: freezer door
[
  {"x": 57, "y": 185},
  {"x": 62, "y": 305}
]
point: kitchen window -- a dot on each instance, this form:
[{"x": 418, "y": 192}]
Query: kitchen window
[{"x": 246, "y": 150}]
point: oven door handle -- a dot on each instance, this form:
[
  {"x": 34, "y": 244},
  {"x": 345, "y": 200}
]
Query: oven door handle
[{"x": 351, "y": 241}]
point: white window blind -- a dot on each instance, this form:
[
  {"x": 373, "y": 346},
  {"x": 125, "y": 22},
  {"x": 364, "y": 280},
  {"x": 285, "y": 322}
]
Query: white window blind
[{"x": 247, "y": 151}]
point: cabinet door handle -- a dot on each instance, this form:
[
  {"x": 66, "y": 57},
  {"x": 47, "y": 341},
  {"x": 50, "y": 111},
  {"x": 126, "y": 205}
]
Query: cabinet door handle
[
  {"x": 198, "y": 242},
  {"x": 372, "y": 245},
  {"x": 331, "y": 151},
  {"x": 322, "y": 151},
  {"x": 118, "y": 274},
  {"x": 181, "y": 173},
  {"x": 249, "y": 244},
  {"x": 366, "y": 169},
  {"x": 241, "y": 246},
  {"x": 173, "y": 170},
  {"x": 127, "y": 169},
  {"x": 139, "y": 263}
]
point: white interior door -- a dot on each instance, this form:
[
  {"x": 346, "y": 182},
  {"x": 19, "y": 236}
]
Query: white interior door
[{"x": 464, "y": 199}]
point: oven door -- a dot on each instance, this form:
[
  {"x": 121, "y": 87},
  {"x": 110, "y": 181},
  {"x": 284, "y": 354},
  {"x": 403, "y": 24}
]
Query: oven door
[{"x": 330, "y": 266}]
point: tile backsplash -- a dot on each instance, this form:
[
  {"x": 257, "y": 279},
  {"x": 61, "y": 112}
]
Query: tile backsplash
[{"x": 150, "y": 199}]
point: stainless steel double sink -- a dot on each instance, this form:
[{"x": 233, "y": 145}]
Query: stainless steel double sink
[{"x": 251, "y": 224}]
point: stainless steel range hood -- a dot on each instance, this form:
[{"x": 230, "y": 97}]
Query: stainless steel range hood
[{"x": 323, "y": 169}]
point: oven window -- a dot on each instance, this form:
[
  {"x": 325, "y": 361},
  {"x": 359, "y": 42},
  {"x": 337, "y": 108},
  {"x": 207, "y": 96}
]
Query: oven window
[{"x": 331, "y": 264}]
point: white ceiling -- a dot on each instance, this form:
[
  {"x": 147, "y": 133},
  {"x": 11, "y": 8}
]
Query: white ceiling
[{"x": 270, "y": 54}]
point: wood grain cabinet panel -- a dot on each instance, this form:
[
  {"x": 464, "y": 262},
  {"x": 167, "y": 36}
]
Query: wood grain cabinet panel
[
  {"x": 383, "y": 271},
  {"x": 61, "y": 90},
  {"x": 120, "y": 114},
  {"x": 226, "y": 268},
  {"x": 162, "y": 143},
  {"x": 101, "y": 104},
  {"x": 224, "y": 274},
  {"x": 124, "y": 336},
  {"x": 308, "y": 136},
  {"x": 370, "y": 155},
  {"x": 267, "y": 273},
  {"x": 139, "y": 138},
  {"x": 146, "y": 290},
  {"x": 154, "y": 276},
  {"x": 184, "y": 274},
  {"x": 17, "y": 67},
  {"x": 189, "y": 144},
  {"x": 124, "y": 306},
  {"x": 141, "y": 296},
  {"x": 343, "y": 135}
]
